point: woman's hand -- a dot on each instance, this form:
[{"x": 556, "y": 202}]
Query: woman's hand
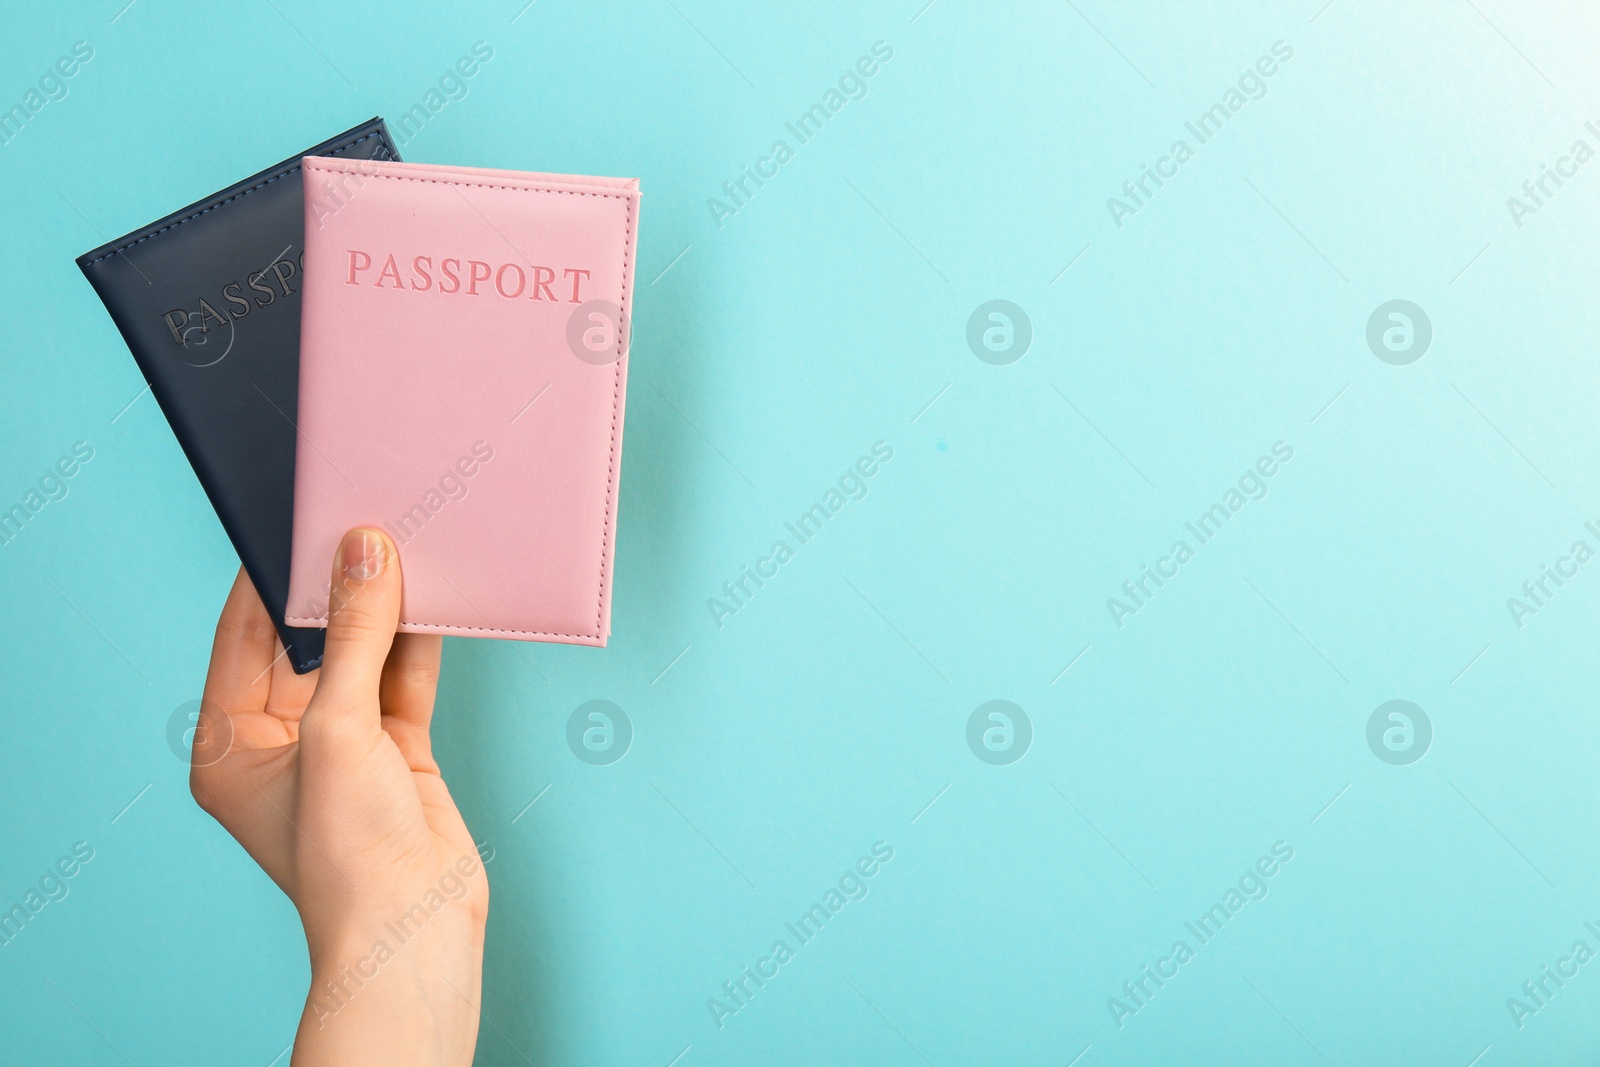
[{"x": 328, "y": 781}]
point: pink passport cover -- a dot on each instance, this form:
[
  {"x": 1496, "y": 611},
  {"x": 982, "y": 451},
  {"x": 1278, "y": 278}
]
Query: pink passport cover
[{"x": 463, "y": 364}]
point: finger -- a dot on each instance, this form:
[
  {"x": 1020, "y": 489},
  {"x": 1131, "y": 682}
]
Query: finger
[
  {"x": 241, "y": 653},
  {"x": 363, "y": 611},
  {"x": 411, "y": 679},
  {"x": 290, "y": 694}
]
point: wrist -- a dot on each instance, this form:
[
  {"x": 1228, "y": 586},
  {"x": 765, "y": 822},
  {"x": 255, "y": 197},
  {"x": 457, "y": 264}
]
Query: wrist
[
  {"x": 395, "y": 989},
  {"x": 376, "y": 939}
]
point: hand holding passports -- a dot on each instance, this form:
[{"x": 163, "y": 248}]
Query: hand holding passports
[{"x": 455, "y": 375}]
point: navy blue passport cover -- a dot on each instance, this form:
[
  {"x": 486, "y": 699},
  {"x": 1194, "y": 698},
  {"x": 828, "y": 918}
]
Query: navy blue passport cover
[{"x": 207, "y": 300}]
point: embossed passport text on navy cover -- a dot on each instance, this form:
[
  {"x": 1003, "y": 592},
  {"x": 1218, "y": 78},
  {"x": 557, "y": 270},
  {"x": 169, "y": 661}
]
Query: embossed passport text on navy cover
[{"x": 208, "y": 301}]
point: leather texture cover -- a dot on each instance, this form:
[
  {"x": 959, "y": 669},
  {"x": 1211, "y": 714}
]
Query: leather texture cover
[
  {"x": 463, "y": 367},
  {"x": 208, "y": 300}
]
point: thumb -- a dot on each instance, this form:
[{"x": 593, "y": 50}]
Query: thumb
[{"x": 363, "y": 613}]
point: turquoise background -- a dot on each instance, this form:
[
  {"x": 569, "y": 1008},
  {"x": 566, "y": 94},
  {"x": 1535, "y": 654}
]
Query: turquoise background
[{"x": 830, "y": 713}]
